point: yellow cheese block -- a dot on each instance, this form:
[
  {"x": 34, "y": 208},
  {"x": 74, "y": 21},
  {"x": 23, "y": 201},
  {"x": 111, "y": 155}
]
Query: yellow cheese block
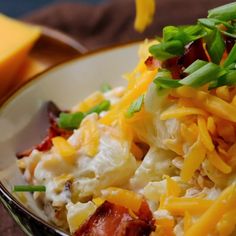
[
  {"x": 30, "y": 68},
  {"x": 16, "y": 41}
]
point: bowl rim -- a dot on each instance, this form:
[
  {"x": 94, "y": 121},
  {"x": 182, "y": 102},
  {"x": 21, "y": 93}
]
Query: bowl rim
[{"x": 13, "y": 94}]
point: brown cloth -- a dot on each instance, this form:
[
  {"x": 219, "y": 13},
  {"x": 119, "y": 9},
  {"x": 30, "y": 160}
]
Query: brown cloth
[{"x": 97, "y": 26}]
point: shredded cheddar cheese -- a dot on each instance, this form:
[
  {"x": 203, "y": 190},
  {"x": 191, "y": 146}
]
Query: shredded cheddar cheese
[
  {"x": 66, "y": 151},
  {"x": 173, "y": 188},
  {"x": 187, "y": 221},
  {"x": 89, "y": 139},
  {"x": 193, "y": 160},
  {"x": 145, "y": 10},
  {"x": 216, "y": 161},
  {"x": 205, "y": 136},
  {"x": 123, "y": 197},
  {"x": 139, "y": 88},
  {"x": 181, "y": 112},
  {"x": 90, "y": 102},
  {"x": 195, "y": 206},
  {"x": 207, "y": 222}
]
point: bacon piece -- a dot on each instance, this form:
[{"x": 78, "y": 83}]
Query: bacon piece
[
  {"x": 145, "y": 213},
  {"x": 113, "y": 220},
  {"x": 193, "y": 52},
  {"x": 152, "y": 63},
  {"x": 53, "y": 112},
  {"x": 229, "y": 43}
]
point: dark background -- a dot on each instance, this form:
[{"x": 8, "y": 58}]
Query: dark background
[{"x": 18, "y": 8}]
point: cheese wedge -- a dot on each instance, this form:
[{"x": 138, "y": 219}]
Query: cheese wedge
[
  {"x": 16, "y": 41},
  {"x": 30, "y": 68}
]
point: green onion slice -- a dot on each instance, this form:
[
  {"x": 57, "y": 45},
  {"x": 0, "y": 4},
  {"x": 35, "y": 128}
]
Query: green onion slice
[
  {"x": 184, "y": 34},
  {"x": 215, "y": 46},
  {"x": 212, "y": 23},
  {"x": 202, "y": 76},
  {"x": 165, "y": 82},
  {"x": 29, "y": 188},
  {"x": 231, "y": 57},
  {"x": 195, "y": 66},
  {"x": 230, "y": 78},
  {"x": 230, "y": 34},
  {"x": 135, "y": 106},
  {"x": 225, "y": 13},
  {"x": 167, "y": 50},
  {"x": 70, "y": 120},
  {"x": 103, "y": 106}
]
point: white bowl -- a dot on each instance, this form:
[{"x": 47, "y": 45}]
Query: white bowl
[{"x": 23, "y": 121}]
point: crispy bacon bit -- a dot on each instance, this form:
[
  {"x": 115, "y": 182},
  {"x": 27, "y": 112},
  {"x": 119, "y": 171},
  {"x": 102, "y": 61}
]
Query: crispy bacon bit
[
  {"x": 53, "y": 131},
  {"x": 229, "y": 43},
  {"x": 110, "y": 219},
  {"x": 152, "y": 63},
  {"x": 145, "y": 213},
  {"x": 193, "y": 52},
  {"x": 53, "y": 111}
]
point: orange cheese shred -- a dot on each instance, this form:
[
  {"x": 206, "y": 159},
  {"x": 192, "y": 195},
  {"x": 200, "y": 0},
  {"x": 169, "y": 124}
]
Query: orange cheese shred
[
  {"x": 216, "y": 161},
  {"x": 123, "y": 197},
  {"x": 139, "y": 88},
  {"x": 208, "y": 102},
  {"x": 208, "y": 221},
  {"x": 178, "y": 206},
  {"x": 173, "y": 188},
  {"x": 193, "y": 160},
  {"x": 145, "y": 10},
  {"x": 181, "y": 112},
  {"x": 204, "y": 134},
  {"x": 187, "y": 221}
]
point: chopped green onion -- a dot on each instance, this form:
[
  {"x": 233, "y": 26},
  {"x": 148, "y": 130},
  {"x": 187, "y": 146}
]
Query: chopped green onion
[
  {"x": 105, "y": 87},
  {"x": 29, "y": 188},
  {"x": 217, "y": 83},
  {"x": 230, "y": 78},
  {"x": 231, "y": 57},
  {"x": 103, "y": 106},
  {"x": 170, "y": 33},
  {"x": 232, "y": 35},
  {"x": 164, "y": 82},
  {"x": 215, "y": 46},
  {"x": 208, "y": 23},
  {"x": 73, "y": 120},
  {"x": 174, "y": 47},
  {"x": 193, "y": 32},
  {"x": 212, "y": 23},
  {"x": 185, "y": 34},
  {"x": 226, "y": 12},
  {"x": 231, "y": 66},
  {"x": 164, "y": 73},
  {"x": 195, "y": 66},
  {"x": 158, "y": 52},
  {"x": 135, "y": 106},
  {"x": 166, "y": 50},
  {"x": 70, "y": 120},
  {"x": 202, "y": 76}
]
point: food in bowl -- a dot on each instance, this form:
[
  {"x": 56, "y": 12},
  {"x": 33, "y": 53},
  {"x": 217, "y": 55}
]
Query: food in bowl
[{"x": 156, "y": 157}]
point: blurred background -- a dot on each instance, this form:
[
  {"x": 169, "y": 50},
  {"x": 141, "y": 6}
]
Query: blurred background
[
  {"x": 16, "y": 8},
  {"x": 100, "y": 23}
]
